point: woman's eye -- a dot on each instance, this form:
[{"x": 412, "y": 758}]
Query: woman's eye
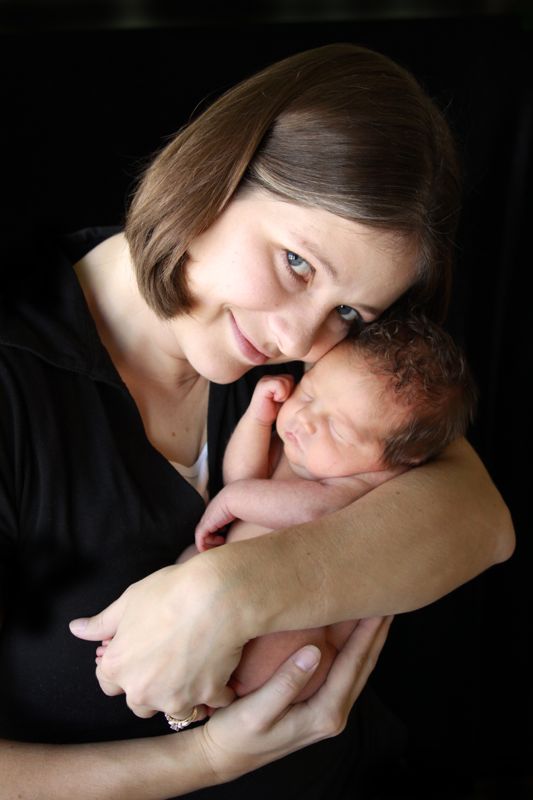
[
  {"x": 299, "y": 266},
  {"x": 349, "y": 314}
]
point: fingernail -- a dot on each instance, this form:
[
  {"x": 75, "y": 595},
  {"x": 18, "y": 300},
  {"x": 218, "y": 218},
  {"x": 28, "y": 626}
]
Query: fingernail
[
  {"x": 308, "y": 658},
  {"x": 78, "y": 625}
]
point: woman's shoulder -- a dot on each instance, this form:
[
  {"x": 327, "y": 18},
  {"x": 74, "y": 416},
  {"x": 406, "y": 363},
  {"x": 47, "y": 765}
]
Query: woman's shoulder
[{"x": 42, "y": 308}]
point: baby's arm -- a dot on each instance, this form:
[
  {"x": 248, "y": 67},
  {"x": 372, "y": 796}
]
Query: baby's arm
[
  {"x": 275, "y": 504},
  {"x": 248, "y": 451}
]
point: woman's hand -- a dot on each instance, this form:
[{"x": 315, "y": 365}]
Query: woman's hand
[
  {"x": 264, "y": 726},
  {"x": 175, "y": 638}
]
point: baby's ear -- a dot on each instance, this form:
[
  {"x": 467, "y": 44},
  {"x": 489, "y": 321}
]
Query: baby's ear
[
  {"x": 416, "y": 461},
  {"x": 408, "y": 462}
]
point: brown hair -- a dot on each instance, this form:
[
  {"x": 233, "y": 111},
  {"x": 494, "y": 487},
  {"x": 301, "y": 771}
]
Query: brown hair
[
  {"x": 340, "y": 128},
  {"x": 429, "y": 376}
]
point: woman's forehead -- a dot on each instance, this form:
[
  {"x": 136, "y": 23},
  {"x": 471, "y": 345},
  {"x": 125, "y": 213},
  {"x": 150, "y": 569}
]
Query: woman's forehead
[{"x": 338, "y": 244}]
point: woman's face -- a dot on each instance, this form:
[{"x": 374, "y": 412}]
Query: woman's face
[{"x": 274, "y": 281}]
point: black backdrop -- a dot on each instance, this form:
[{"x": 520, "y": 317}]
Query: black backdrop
[{"x": 82, "y": 110}]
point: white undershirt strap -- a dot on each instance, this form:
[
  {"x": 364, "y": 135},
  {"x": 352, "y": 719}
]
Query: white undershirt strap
[{"x": 197, "y": 474}]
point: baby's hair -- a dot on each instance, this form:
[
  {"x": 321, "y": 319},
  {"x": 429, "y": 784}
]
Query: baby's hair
[{"x": 430, "y": 378}]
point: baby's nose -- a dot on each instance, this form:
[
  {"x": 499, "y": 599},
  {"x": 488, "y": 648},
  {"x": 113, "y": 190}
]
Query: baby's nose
[{"x": 307, "y": 421}]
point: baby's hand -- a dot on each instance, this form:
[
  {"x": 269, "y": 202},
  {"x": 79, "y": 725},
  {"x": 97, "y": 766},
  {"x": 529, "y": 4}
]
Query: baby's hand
[
  {"x": 269, "y": 394},
  {"x": 216, "y": 516}
]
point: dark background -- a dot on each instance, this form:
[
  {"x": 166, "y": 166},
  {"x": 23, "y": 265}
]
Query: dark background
[{"x": 89, "y": 90}]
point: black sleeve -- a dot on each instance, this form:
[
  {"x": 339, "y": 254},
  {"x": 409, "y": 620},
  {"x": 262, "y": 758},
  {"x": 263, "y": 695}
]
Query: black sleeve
[{"x": 9, "y": 426}]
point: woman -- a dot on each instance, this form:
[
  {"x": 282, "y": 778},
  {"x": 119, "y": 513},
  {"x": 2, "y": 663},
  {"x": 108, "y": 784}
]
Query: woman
[{"x": 304, "y": 203}]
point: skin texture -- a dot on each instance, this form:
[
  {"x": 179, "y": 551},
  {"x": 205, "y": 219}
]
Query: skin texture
[{"x": 407, "y": 543}]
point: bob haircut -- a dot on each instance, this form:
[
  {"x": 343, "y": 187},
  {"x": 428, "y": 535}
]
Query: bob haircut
[{"x": 340, "y": 128}]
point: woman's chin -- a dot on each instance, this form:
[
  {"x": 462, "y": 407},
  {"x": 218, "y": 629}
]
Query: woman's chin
[{"x": 224, "y": 374}]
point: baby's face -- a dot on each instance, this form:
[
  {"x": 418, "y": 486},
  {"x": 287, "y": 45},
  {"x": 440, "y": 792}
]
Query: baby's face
[{"x": 335, "y": 421}]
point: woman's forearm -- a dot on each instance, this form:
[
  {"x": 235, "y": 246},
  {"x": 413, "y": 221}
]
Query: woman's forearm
[
  {"x": 140, "y": 769},
  {"x": 253, "y": 731},
  {"x": 400, "y": 547},
  {"x": 404, "y": 544}
]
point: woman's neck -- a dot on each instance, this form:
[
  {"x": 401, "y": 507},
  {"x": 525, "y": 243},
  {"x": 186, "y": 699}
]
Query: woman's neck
[
  {"x": 146, "y": 353},
  {"x": 139, "y": 342}
]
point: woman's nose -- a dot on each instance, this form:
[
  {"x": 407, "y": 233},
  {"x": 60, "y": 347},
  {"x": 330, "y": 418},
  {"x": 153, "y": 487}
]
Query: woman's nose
[{"x": 294, "y": 336}]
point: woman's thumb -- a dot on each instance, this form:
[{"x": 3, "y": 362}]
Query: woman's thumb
[
  {"x": 101, "y": 626},
  {"x": 286, "y": 683}
]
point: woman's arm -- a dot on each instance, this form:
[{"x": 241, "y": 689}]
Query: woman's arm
[
  {"x": 139, "y": 769},
  {"x": 252, "y": 732},
  {"x": 406, "y": 543}
]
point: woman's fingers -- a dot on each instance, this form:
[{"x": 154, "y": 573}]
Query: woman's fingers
[
  {"x": 349, "y": 673},
  {"x": 163, "y": 644},
  {"x": 195, "y": 714},
  {"x": 271, "y": 701},
  {"x": 222, "y": 699},
  {"x": 101, "y": 627},
  {"x": 267, "y": 724},
  {"x": 144, "y": 712}
]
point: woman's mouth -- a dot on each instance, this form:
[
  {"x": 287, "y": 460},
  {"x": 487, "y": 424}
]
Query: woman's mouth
[{"x": 248, "y": 350}]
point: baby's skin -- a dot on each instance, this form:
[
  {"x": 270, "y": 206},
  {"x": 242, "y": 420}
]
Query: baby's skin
[
  {"x": 262, "y": 656},
  {"x": 273, "y": 483}
]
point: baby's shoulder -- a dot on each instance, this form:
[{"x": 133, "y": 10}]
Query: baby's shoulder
[
  {"x": 350, "y": 486},
  {"x": 280, "y": 468}
]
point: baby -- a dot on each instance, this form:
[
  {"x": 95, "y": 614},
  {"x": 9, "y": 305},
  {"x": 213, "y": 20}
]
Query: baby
[{"x": 372, "y": 407}]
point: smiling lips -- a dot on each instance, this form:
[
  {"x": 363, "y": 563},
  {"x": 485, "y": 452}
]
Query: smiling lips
[{"x": 249, "y": 351}]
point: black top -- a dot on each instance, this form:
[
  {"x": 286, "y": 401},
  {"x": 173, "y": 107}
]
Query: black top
[{"x": 87, "y": 507}]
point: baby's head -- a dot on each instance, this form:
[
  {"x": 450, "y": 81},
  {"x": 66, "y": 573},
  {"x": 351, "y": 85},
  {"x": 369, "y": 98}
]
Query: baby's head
[{"x": 394, "y": 396}]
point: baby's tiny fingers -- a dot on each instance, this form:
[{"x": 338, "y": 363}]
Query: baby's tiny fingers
[
  {"x": 214, "y": 539},
  {"x": 284, "y": 388}
]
